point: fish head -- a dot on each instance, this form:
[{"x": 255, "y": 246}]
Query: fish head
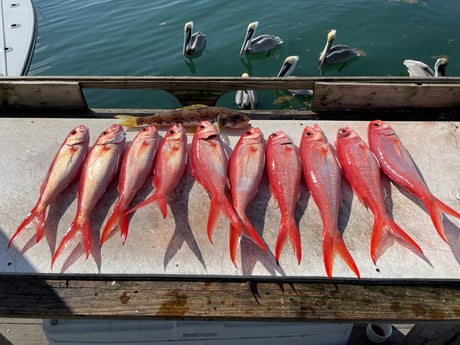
[
  {"x": 78, "y": 135},
  {"x": 313, "y": 134},
  {"x": 233, "y": 119},
  {"x": 206, "y": 130},
  {"x": 115, "y": 134},
  {"x": 253, "y": 135},
  {"x": 176, "y": 133},
  {"x": 379, "y": 127},
  {"x": 148, "y": 133},
  {"x": 279, "y": 138}
]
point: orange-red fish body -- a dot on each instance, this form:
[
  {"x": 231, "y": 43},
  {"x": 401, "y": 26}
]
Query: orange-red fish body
[
  {"x": 362, "y": 170},
  {"x": 98, "y": 171},
  {"x": 246, "y": 168},
  {"x": 284, "y": 172},
  {"x": 322, "y": 174},
  {"x": 209, "y": 166},
  {"x": 64, "y": 169},
  {"x": 136, "y": 165},
  {"x": 170, "y": 165},
  {"x": 398, "y": 165}
]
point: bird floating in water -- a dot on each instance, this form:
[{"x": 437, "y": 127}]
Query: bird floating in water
[
  {"x": 259, "y": 44},
  {"x": 419, "y": 69},
  {"x": 193, "y": 44},
  {"x": 338, "y": 54},
  {"x": 245, "y": 99},
  {"x": 286, "y": 70}
]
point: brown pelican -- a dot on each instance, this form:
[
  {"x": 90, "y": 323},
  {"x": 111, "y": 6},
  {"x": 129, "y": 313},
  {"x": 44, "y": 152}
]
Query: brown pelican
[
  {"x": 338, "y": 54},
  {"x": 193, "y": 44},
  {"x": 287, "y": 68},
  {"x": 246, "y": 98},
  {"x": 259, "y": 44},
  {"x": 419, "y": 69}
]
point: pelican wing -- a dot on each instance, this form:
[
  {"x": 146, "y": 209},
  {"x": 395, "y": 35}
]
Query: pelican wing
[
  {"x": 262, "y": 43},
  {"x": 418, "y": 69},
  {"x": 339, "y": 54}
]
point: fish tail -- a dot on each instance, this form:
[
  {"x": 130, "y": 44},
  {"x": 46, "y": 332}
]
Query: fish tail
[
  {"x": 435, "y": 208},
  {"x": 333, "y": 243},
  {"x": 128, "y": 120},
  {"x": 384, "y": 226},
  {"x": 160, "y": 200},
  {"x": 76, "y": 228},
  {"x": 248, "y": 229},
  {"x": 218, "y": 206},
  {"x": 112, "y": 222},
  {"x": 34, "y": 216},
  {"x": 288, "y": 230}
]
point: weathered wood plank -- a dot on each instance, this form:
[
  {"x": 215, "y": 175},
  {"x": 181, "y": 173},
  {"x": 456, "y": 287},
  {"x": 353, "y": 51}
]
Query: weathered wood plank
[
  {"x": 44, "y": 96},
  {"x": 238, "y": 299},
  {"x": 384, "y": 96}
]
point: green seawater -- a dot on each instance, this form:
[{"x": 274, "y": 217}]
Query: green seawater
[{"x": 144, "y": 38}]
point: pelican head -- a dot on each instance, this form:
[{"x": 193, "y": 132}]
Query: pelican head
[
  {"x": 288, "y": 66},
  {"x": 330, "y": 39},
  {"x": 440, "y": 67},
  {"x": 250, "y": 31},
  {"x": 188, "y": 27}
]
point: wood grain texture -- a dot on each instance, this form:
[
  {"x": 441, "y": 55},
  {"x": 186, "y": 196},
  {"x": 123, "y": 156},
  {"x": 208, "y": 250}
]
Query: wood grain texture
[{"x": 264, "y": 300}]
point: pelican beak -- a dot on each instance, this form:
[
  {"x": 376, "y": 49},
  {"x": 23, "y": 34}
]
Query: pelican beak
[{"x": 249, "y": 34}]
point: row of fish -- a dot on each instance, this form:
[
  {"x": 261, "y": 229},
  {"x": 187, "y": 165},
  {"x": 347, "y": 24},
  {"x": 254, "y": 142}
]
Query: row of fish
[{"x": 233, "y": 182}]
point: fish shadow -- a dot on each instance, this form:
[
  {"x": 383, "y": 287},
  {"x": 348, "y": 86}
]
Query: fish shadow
[
  {"x": 178, "y": 203},
  {"x": 251, "y": 253}
]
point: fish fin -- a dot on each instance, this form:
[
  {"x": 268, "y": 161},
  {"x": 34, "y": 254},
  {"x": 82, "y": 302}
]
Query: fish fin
[
  {"x": 333, "y": 243},
  {"x": 112, "y": 222},
  {"x": 384, "y": 226},
  {"x": 435, "y": 208},
  {"x": 288, "y": 230},
  {"x": 218, "y": 206},
  {"x": 75, "y": 228},
  {"x": 124, "y": 225},
  {"x": 248, "y": 229},
  {"x": 39, "y": 220},
  {"x": 235, "y": 236},
  {"x": 160, "y": 200},
  {"x": 127, "y": 120},
  {"x": 192, "y": 107}
]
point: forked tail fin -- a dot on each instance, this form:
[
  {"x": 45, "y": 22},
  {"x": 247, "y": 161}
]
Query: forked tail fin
[
  {"x": 118, "y": 217},
  {"x": 38, "y": 218},
  {"x": 160, "y": 200},
  {"x": 436, "y": 208},
  {"x": 384, "y": 226},
  {"x": 221, "y": 205},
  {"x": 75, "y": 228},
  {"x": 333, "y": 243},
  {"x": 288, "y": 230},
  {"x": 248, "y": 229}
]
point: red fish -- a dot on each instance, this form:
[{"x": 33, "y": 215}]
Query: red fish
[
  {"x": 63, "y": 170},
  {"x": 398, "y": 165},
  {"x": 136, "y": 165},
  {"x": 362, "y": 170},
  {"x": 284, "y": 171},
  {"x": 170, "y": 164},
  {"x": 98, "y": 171},
  {"x": 322, "y": 173},
  {"x": 246, "y": 169},
  {"x": 209, "y": 166}
]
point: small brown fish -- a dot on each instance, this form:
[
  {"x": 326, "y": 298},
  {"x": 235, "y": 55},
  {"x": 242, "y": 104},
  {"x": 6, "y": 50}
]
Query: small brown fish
[{"x": 189, "y": 116}]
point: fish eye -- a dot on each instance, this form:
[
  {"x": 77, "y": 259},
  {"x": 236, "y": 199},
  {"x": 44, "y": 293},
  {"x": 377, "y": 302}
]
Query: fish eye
[
  {"x": 73, "y": 132},
  {"x": 202, "y": 126},
  {"x": 248, "y": 132},
  {"x": 143, "y": 129},
  {"x": 308, "y": 134},
  {"x": 104, "y": 133},
  {"x": 376, "y": 124},
  {"x": 273, "y": 135},
  {"x": 171, "y": 131},
  {"x": 342, "y": 131}
]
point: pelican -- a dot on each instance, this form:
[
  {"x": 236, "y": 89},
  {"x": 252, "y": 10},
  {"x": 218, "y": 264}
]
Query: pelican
[
  {"x": 419, "y": 69},
  {"x": 246, "y": 98},
  {"x": 286, "y": 70},
  {"x": 259, "y": 44},
  {"x": 193, "y": 44},
  {"x": 338, "y": 54}
]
